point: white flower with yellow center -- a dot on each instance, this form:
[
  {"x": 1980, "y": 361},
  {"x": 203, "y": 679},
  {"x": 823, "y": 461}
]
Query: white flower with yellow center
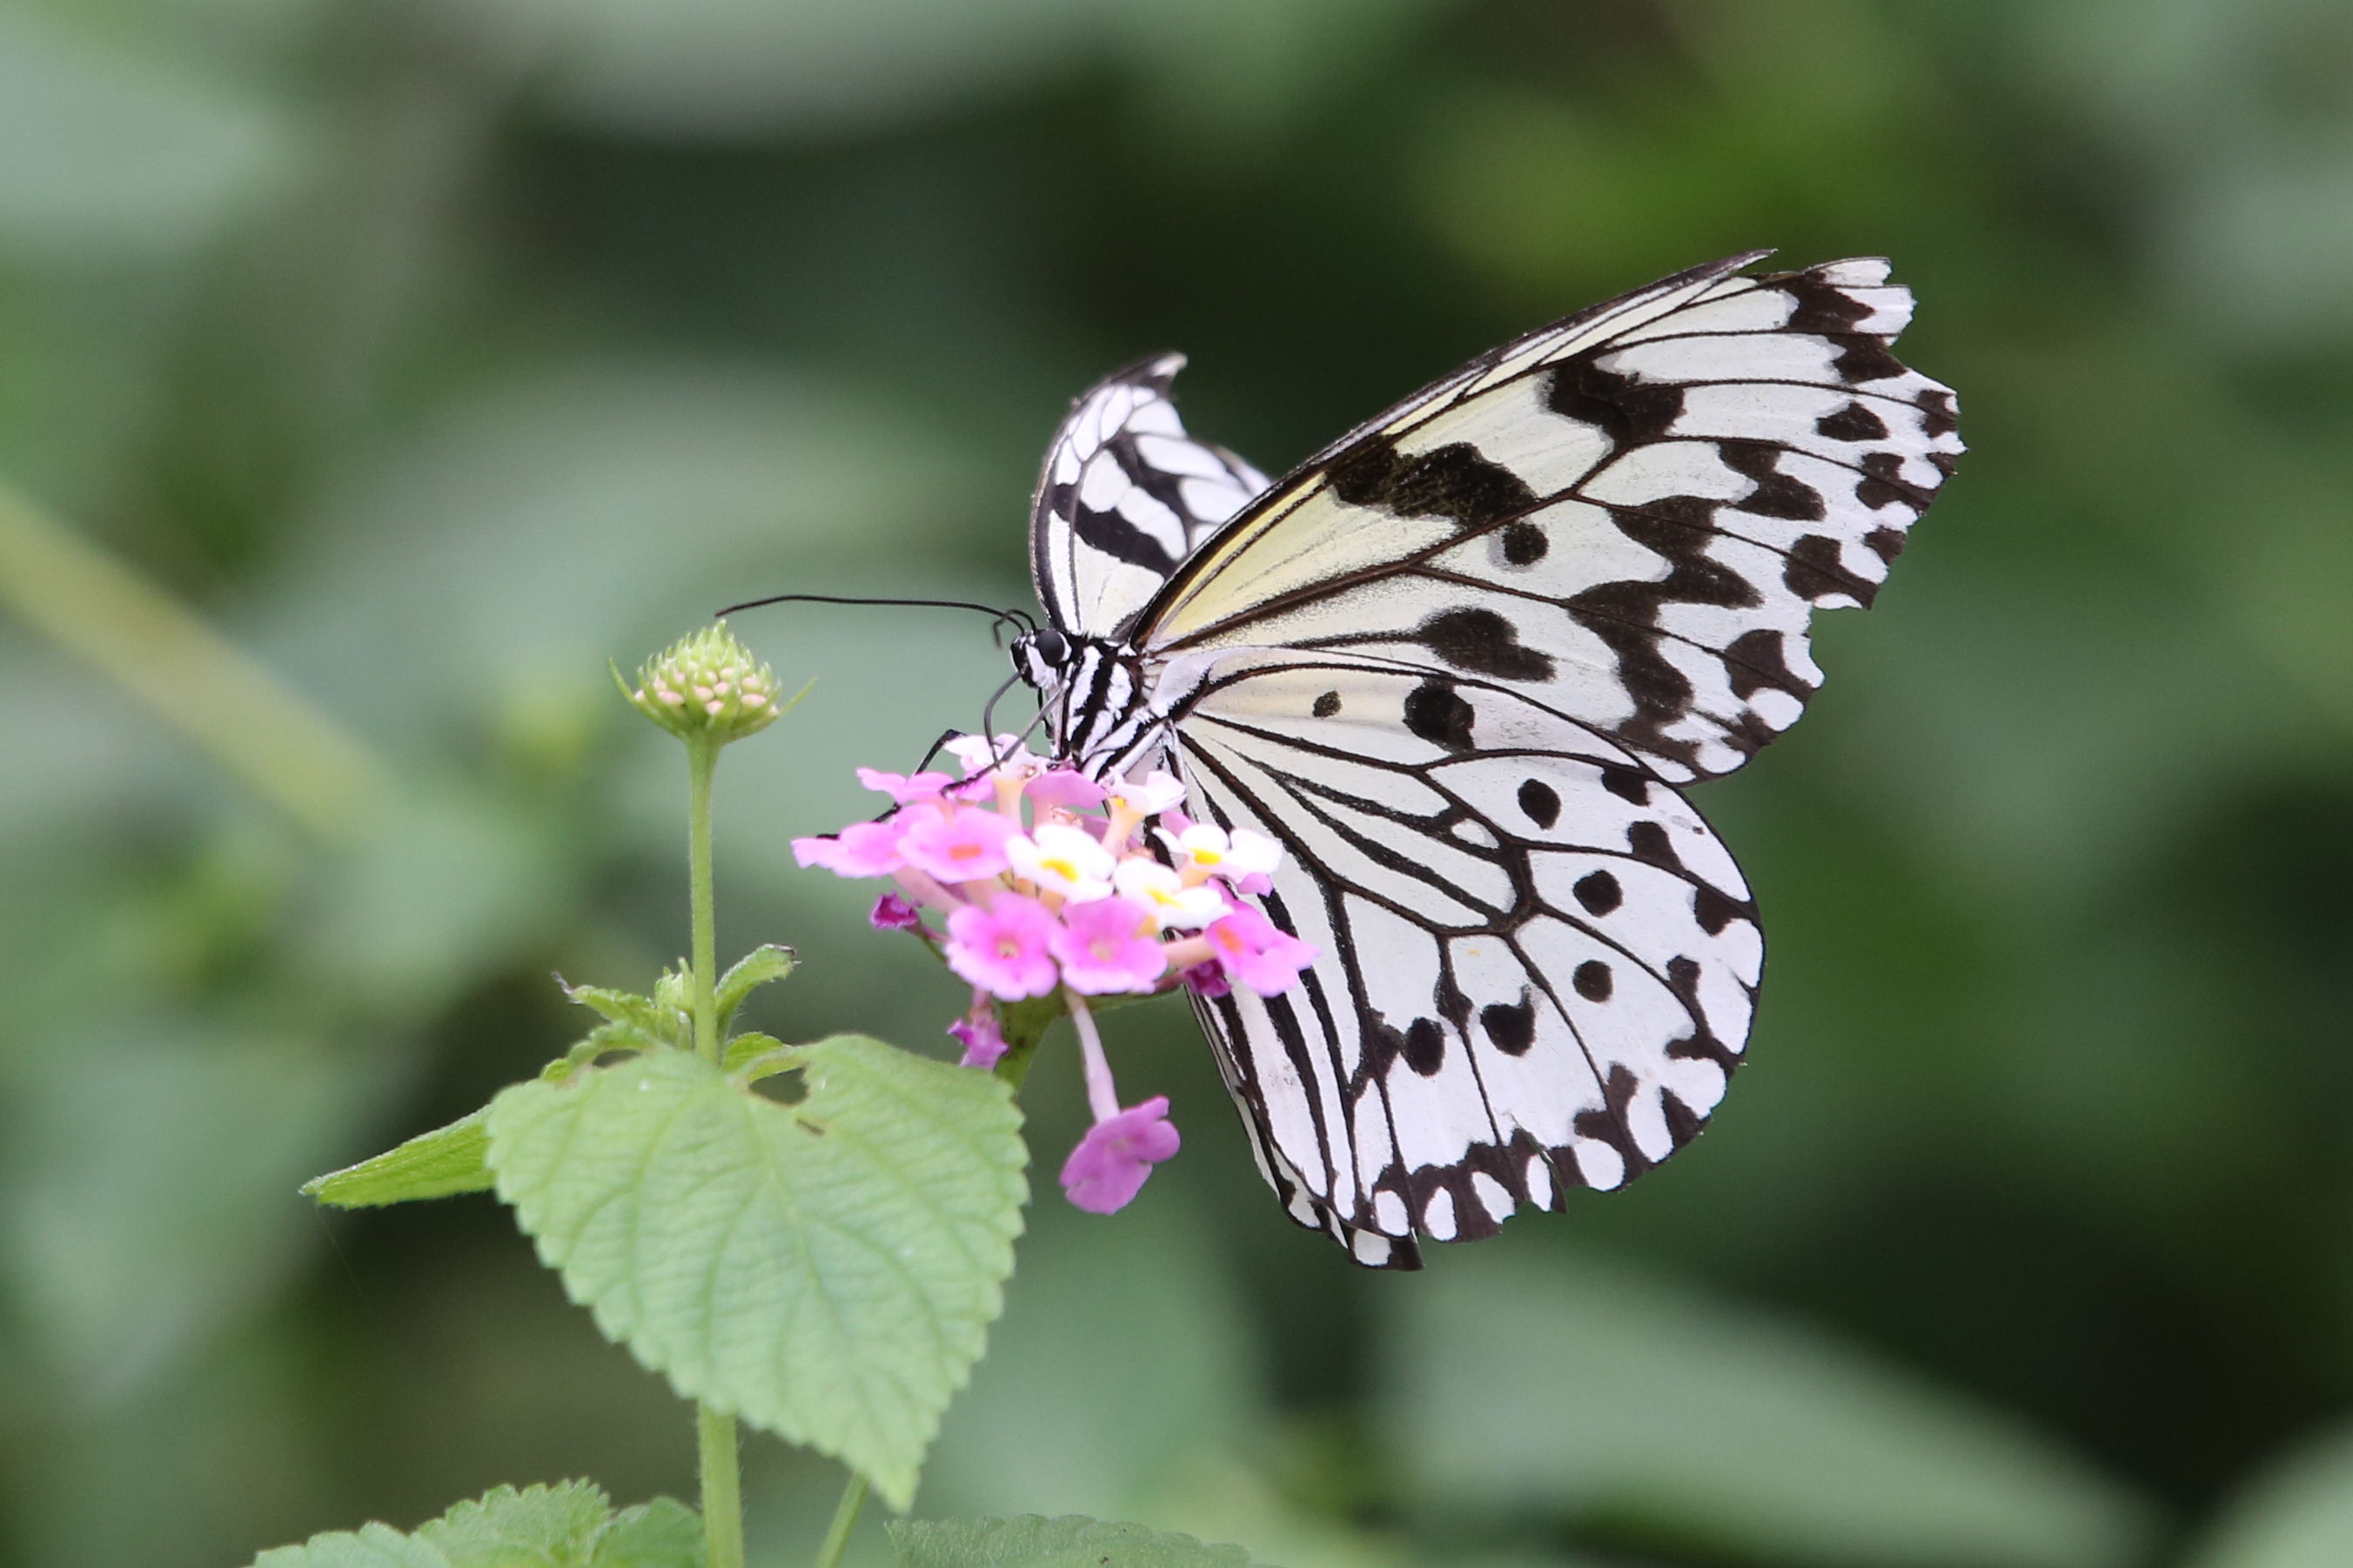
[
  {"x": 1005, "y": 754},
  {"x": 1148, "y": 796},
  {"x": 1205, "y": 850},
  {"x": 1174, "y": 906},
  {"x": 1062, "y": 860}
]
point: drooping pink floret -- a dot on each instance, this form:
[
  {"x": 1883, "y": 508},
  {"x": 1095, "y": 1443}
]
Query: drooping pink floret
[
  {"x": 861, "y": 849},
  {"x": 891, "y": 912},
  {"x": 1108, "y": 1168},
  {"x": 1004, "y": 948},
  {"x": 1253, "y": 953},
  {"x": 956, "y": 845},
  {"x": 1107, "y": 945},
  {"x": 1207, "y": 980},
  {"x": 984, "y": 1042},
  {"x": 1064, "y": 787},
  {"x": 905, "y": 789}
]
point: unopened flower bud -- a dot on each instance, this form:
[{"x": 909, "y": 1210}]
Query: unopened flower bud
[{"x": 707, "y": 684}]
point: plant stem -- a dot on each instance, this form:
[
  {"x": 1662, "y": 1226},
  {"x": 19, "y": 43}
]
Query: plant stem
[
  {"x": 722, "y": 1491},
  {"x": 702, "y": 759},
  {"x": 722, "y": 1478},
  {"x": 845, "y": 1515},
  {"x": 1102, "y": 1099}
]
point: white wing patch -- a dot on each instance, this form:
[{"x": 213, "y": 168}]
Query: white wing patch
[
  {"x": 1125, "y": 494},
  {"x": 1556, "y": 1001}
]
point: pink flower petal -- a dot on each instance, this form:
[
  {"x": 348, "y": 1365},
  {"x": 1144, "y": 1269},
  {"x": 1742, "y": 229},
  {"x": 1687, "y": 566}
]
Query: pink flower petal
[
  {"x": 1065, "y": 787},
  {"x": 1207, "y": 980},
  {"x": 905, "y": 789},
  {"x": 861, "y": 849},
  {"x": 1003, "y": 949},
  {"x": 955, "y": 846},
  {"x": 1253, "y": 952},
  {"x": 1108, "y": 1168},
  {"x": 891, "y": 912},
  {"x": 1107, "y": 945},
  {"x": 984, "y": 1043}
]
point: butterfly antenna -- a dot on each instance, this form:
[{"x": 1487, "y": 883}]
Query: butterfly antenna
[
  {"x": 988, "y": 714},
  {"x": 998, "y": 619},
  {"x": 1027, "y": 730}
]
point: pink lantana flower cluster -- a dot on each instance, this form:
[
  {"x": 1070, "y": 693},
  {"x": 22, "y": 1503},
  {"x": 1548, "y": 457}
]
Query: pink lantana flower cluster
[{"x": 1043, "y": 879}]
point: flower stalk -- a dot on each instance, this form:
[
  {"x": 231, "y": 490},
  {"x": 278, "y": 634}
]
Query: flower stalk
[
  {"x": 845, "y": 1517},
  {"x": 708, "y": 690}
]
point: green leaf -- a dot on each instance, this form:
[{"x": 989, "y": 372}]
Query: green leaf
[
  {"x": 568, "y": 1526},
  {"x": 558, "y": 1524},
  {"x": 2297, "y": 1513},
  {"x": 1573, "y": 1388},
  {"x": 746, "y": 1051},
  {"x": 642, "y": 1016},
  {"x": 437, "y": 1164},
  {"x": 370, "y": 1546},
  {"x": 763, "y": 963},
  {"x": 1031, "y": 1541},
  {"x": 826, "y": 1270},
  {"x": 663, "y": 1534}
]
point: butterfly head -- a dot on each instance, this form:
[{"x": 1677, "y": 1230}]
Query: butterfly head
[
  {"x": 1043, "y": 659},
  {"x": 1093, "y": 693}
]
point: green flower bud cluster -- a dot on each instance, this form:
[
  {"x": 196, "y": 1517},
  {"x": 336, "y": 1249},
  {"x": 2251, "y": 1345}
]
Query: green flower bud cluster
[{"x": 707, "y": 684}]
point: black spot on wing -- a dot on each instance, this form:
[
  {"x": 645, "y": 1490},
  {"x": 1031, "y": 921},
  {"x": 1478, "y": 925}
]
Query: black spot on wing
[
  {"x": 1938, "y": 417},
  {"x": 1608, "y": 1124},
  {"x": 1711, "y": 909},
  {"x": 1598, "y": 892},
  {"x": 1629, "y": 412},
  {"x": 1524, "y": 542},
  {"x": 1485, "y": 643},
  {"x": 1511, "y": 1026},
  {"x": 1755, "y": 660},
  {"x": 1682, "y": 979},
  {"x": 1813, "y": 571},
  {"x": 1592, "y": 980},
  {"x": 1425, "y": 1046},
  {"x": 1823, "y": 306},
  {"x": 1863, "y": 357},
  {"x": 1437, "y": 712},
  {"x": 1452, "y": 481},
  {"x": 1327, "y": 705},
  {"x": 1852, "y": 423},
  {"x": 1648, "y": 841},
  {"x": 1883, "y": 484},
  {"x": 1627, "y": 784},
  {"x": 1541, "y": 802},
  {"x": 1776, "y": 494},
  {"x": 1684, "y": 1124}
]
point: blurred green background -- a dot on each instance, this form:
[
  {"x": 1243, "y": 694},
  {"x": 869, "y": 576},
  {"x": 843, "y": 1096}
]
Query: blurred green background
[{"x": 434, "y": 353}]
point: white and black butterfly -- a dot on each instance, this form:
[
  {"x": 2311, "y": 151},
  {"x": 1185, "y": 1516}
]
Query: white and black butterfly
[{"x": 1457, "y": 662}]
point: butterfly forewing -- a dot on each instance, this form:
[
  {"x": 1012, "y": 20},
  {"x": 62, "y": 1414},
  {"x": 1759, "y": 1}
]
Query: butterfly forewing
[
  {"x": 1124, "y": 496},
  {"x": 1629, "y": 517}
]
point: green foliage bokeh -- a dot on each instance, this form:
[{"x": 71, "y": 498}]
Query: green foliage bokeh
[{"x": 436, "y": 354}]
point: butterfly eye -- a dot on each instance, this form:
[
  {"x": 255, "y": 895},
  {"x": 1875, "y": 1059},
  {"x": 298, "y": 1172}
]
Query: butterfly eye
[{"x": 1051, "y": 646}]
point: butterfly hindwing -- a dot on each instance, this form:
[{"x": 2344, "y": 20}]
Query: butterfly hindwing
[
  {"x": 1124, "y": 496},
  {"x": 1536, "y": 964},
  {"x": 1629, "y": 516}
]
